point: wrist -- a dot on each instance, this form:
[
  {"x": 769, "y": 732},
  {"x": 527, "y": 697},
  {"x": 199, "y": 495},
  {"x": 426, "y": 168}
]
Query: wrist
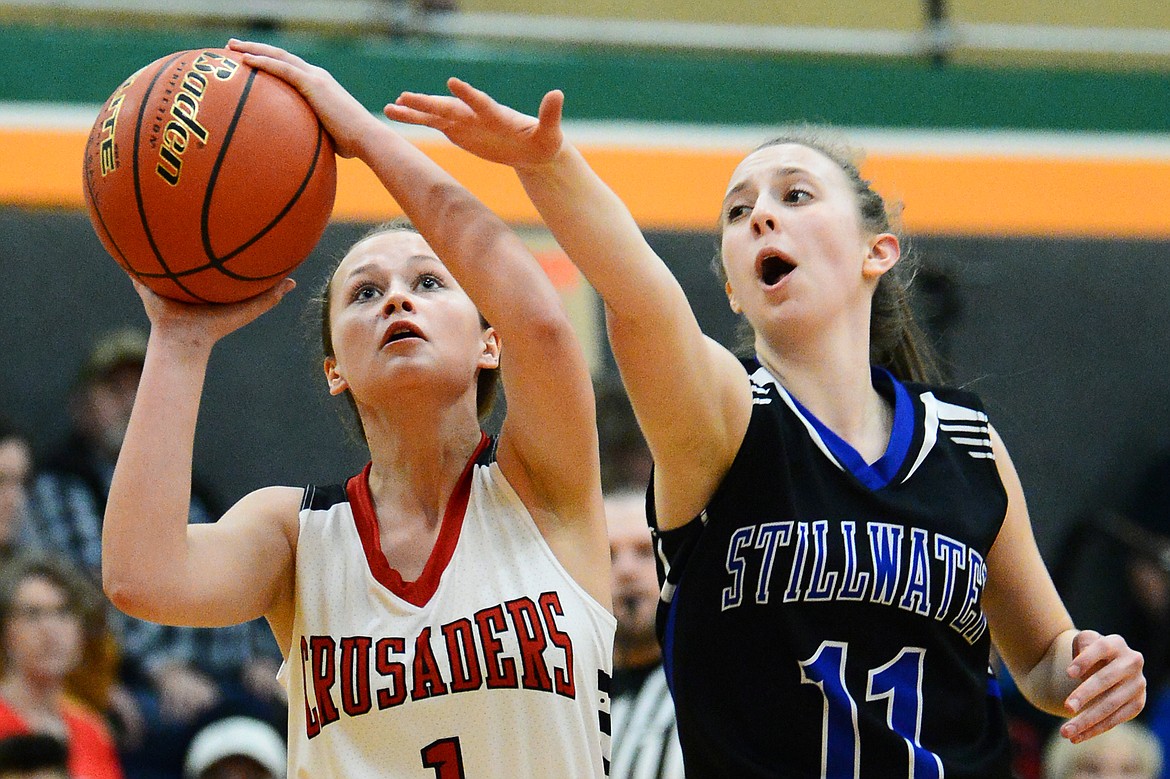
[
  {"x": 551, "y": 166},
  {"x": 182, "y": 343},
  {"x": 373, "y": 139}
]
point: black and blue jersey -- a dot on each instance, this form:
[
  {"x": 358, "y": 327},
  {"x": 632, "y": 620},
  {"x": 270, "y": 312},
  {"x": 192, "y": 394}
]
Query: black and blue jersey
[{"x": 822, "y": 616}]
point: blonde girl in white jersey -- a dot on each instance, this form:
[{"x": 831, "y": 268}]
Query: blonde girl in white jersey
[{"x": 405, "y": 312}]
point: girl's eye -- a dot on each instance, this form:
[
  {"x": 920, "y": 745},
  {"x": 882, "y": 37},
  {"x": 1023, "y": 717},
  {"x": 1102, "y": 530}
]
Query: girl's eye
[
  {"x": 797, "y": 195},
  {"x": 429, "y": 281},
  {"x": 736, "y": 212},
  {"x": 365, "y": 292}
]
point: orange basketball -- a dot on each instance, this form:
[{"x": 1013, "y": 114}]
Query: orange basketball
[{"x": 206, "y": 179}]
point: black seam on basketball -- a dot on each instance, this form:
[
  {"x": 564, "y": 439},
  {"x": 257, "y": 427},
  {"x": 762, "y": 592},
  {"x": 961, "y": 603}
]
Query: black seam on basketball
[
  {"x": 220, "y": 263},
  {"x": 283, "y": 212},
  {"x": 167, "y": 272},
  {"x": 118, "y": 255},
  {"x": 205, "y": 214}
]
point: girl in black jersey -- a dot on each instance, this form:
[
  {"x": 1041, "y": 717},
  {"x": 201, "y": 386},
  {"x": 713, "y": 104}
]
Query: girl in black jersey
[{"x": 841, "y": 546}]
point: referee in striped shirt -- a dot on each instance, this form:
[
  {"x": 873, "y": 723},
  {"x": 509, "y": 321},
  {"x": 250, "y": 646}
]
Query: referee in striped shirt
[{"x": 645, "y": 740}]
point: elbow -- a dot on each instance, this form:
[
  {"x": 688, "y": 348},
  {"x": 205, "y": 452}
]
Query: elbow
[
  {"x": 129, "y": 597},
  {"x": 550, "y": 327},
  {"x": 120, "y": 593}
]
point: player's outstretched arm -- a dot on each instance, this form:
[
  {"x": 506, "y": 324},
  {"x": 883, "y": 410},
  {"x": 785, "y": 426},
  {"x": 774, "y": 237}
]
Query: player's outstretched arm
[
  {"x": 1096, "y": 681},
  {"x": 154, "y": 565},
  {"x": 656, "y": 339},
  {"x": 548, "y": 445}
]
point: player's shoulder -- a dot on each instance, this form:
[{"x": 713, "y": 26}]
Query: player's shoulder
[
  {"x": 322, "y": 497},
  {"x": 272, "y": 498},
  {"x": 325, "y": 497},
  {"x": 948, "y": 401},
  {"x": 268, "y": 506}
]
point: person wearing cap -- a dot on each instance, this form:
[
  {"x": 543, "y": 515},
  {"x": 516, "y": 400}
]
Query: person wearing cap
[
  {"x": 237, "y": 748},
  {"x": 70, "y": 489},
  {"x": 171, "y": 679}
]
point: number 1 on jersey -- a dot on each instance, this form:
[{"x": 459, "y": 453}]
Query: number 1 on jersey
[
  {"x": 898, "y": 682},
  {"x": 445, "y": 757}
]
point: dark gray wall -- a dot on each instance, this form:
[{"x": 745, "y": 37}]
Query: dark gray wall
[
  {"x": 266, "y": 418},
  {"x": 1066, "y": 341}
]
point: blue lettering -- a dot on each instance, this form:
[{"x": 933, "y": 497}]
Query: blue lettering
[
  {"x": 856, "y": 580},
  {"x": 798, "y": 561},
  {"x": 733, "y": 595},
  {"x": 885, "y": 546},
  {"x": 971, "y": 621},
  {"x": 954, "y": 556},
  {"x": 823, "y": 582},
  {"x": 771, "y": 535},
  {"x": 917, "y": 595}
]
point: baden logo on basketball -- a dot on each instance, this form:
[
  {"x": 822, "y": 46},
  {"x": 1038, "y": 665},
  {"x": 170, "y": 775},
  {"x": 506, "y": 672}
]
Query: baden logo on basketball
[{"x": 185, "y": 108}]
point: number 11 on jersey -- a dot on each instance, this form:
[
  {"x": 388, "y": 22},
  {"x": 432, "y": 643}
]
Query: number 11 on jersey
[{"x": 898, "y": 683}]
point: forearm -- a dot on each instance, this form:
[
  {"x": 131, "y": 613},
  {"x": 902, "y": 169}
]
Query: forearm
[
  {"x": 144, "y": 536},
  {"x": 489, "y": 260},
  {"x": 600, "y": 236},
  {"x": 1047, "y": 685}
]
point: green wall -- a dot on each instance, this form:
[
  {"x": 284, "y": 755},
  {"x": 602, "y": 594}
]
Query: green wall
[{"x": 83, "y": 65}]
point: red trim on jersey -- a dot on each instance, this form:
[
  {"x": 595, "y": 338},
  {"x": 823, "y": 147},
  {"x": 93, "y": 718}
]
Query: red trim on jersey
[{"x": 419, "y": 591}]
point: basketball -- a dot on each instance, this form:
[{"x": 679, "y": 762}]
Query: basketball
[{"x": 206, "y": 179}]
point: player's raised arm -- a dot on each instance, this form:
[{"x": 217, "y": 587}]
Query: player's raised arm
[
  {"x": 548, "y": 445},
  {"x": 655, "y": 336},
  {"x": 154, "y": 565}
]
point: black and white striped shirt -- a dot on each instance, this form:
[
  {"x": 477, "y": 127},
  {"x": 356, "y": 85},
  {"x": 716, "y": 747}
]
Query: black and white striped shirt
[{"x": 645, "y": 738}]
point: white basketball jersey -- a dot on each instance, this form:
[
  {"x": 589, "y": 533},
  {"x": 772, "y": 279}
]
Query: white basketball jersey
[{"x": 494, "y": 663}]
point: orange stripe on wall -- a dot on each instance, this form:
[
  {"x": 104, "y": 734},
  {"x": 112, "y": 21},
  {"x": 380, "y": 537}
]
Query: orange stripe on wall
[
  {"x": 41, "y": 167},
  {"x": 680, "y": 189},
  {"x": 1028, "y": 196}
]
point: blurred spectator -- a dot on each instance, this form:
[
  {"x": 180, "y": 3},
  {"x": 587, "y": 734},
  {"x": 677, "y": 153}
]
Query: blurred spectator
[
  {"x": 33, "y": 756},
  {"x": 15, "y": 473},
  {"x": 237, "y": 748},
  {"x": 1128, "y": 751},
  {"x": 47, "y": 613},
  {"x": 1135, "y": 543},
  {"x": 1148, "y": 571},
  {"x": 645, "y": 739},
  {"x": 173, "y": 680},
  {"x": 1147, "y": 538},
  {"x": 625, "y": 459}
]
